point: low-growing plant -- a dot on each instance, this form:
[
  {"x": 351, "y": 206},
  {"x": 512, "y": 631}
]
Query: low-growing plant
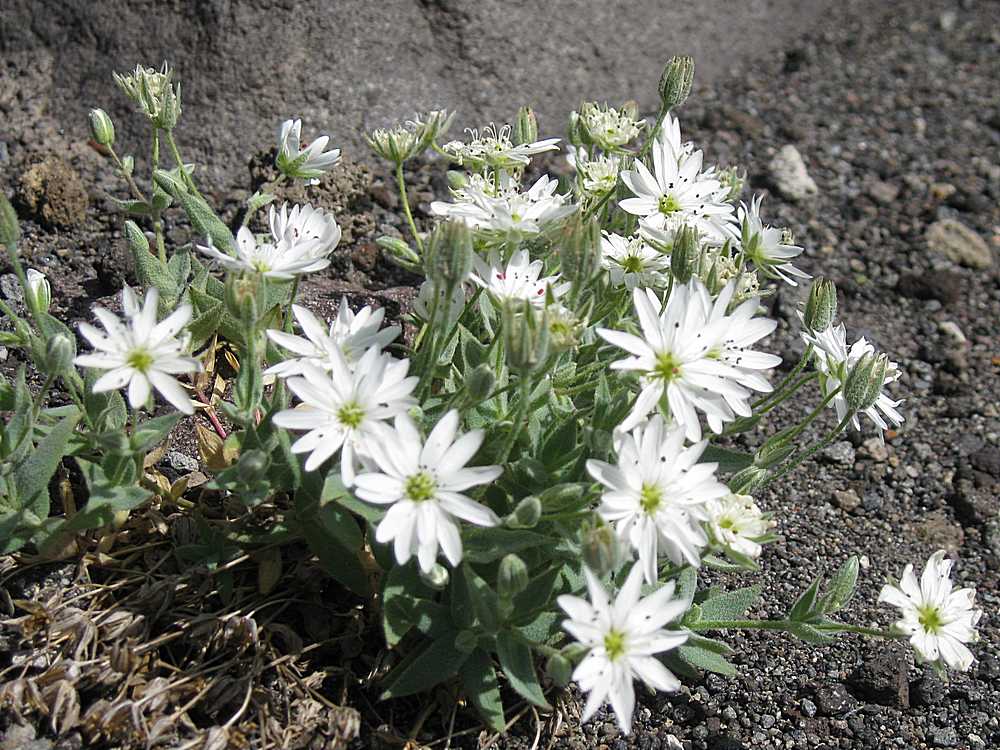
[{"x": 537, "y": 475}]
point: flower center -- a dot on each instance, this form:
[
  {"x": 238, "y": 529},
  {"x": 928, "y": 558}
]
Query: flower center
[
  {"x": 420, "y": 487},
  {"x": 667, "y": 367},
  {"x": 139, "y": 359},
  {"x": 614, "y": 644},
  {"x": 668, "y": 204},
  {"x": 632, "y": 264},
  {"x": 650, "y": 498},
  {"x": 350, "y": 415},
  {"x": 930, "y": 619}
]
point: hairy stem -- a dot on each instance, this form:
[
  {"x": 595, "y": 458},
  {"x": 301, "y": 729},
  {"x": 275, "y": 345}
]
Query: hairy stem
[{"x": 401, "y": 183}]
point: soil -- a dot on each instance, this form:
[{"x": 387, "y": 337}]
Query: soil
[{"x": 895, "y": 109}]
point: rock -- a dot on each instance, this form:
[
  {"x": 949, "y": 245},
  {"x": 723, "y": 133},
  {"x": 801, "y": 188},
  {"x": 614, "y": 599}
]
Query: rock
[
  {"x": 974, "y": 505},
  {"x": 834, "y": 700},
  {"x": 944, "y": 286},
  {"x": 181, "y": 462},
  {"x": 987, "y": 461},
  {"x": 789, "y": 174},
  {"x": 808, "y": 708},
  {"x": 847, "y": 499},
  {"x": 958, "y": 243},
  {"x": 365, "y": 255},
  {"x": 929, "y": 690},
  {"x": 943, "y": 737},
  {"x": 875, "y": 447},
  {"x": 52, "y": 193},
  {"x": 937, "y": 530},
  {"x": 947, "y": 20},
  {"x": 841, "y": 452},
  {"x": 883, "y": 192},
  {"x": 882, "y": 676},
  {"x": 942, "y": 191},
  {"x": 950, "y": 329}
]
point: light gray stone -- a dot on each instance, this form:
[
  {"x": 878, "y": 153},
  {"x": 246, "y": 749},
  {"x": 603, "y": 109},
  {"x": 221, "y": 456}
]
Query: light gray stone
[
  {"x": 952, "y": 239},
  {"x": 790, "y": 176}
]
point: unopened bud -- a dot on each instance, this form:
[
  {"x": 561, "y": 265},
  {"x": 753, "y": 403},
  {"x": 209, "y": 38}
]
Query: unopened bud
[
  {"x": 745, "y": 481},
  {"x": 253, "y": 465},
  {"x": 137, "y": 241},
  {"x": 437, "y": 577},
  {"x": 479, "y": 383},
  {"x": 241, "y": 297},
  {"x": 512, "y": 577},
  {"x": 526, "y": 336},
  {"x": 865, "y": 381},
  {"x": 101, "y": 128},
  {"x": 675, "y": 83},
  {"x": 39, "y": 289},
  {"x": 400, "y": 253},
  {"x": 457, "y": 180},
  {"x": 576, "y": 133},
  {"x": 526, "y": 514},
  {"x": 10, "y": 230},
  {"x": 559, "y": 670},
  {"x": 685, "y": 255},
  {"x": 580, "y": 249},
  {"x": 448, "y": 254},
  {"x": 59, "y": 353},
  {"x": 525, "y": 127},
  {"x": 602, "y": 549},
  {"x": 821, "y": 306}
]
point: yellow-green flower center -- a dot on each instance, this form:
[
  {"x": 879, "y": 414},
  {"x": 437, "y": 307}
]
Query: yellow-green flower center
[
  {"x": 930, "y": 618},
  {"x": 420, "y": 487},
  {"x": 668, "y": 204},
  {"x": 632, "y": 264},
  {"x": 614, "y": 644},
  {"x": 350, "y": 415},
  {"x": 667, "y": 367},
  {"x": 650, "y": 497},
  {"x": 139, "y": 359}
]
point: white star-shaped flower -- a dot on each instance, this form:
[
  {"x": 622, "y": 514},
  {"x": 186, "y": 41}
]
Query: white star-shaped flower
[
  {"x": 737, "y": 523},
  {"x": 422, "y": 482},
  {"x": 764, "y": 245},
  {"x": 507, "y": 211},
  {"x": 308, "y": 163},
  {"x": 139, "y": 352},
  {"x": 518, "y": 279},
  {"x": 632, "y": 262}
]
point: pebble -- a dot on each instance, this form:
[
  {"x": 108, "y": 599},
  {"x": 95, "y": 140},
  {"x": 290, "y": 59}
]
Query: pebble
[
  {"x": 950, "y": 329},
  {"x": 808, "y": 708},
  {"x": 952, "y": 239},
  {"x": 841, "y": 452},
  {"x": 833, "y": 700},
  {"x": 943, "y": 737},
  {"x": 847, "y": 499},
  {"x": 181, "y": 462},
  {"x": 790, "y": 176},
  {"x": 875, "y": 447},
  {"x": 883, "y": 192}
]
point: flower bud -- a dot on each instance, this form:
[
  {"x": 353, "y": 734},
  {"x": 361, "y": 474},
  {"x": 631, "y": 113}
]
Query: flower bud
[
  {"x": 241, "y": 296},
  {"x": 479, "y": 383},
  {"x": 821, "y": 306},
  {"x": 602, "y": 549},
  {"x": 685, "y": 255},
  {"x": 526, "y": 514},
  {"x": 437, "y": 578},
  {"x": 865, "y": 381},
  {"x": 525, "y": 127},
  {"x": 526, "y": 336},
  {"x": 746, "y": 481},
  {"x": 512, "y": 577},
  {"x": 253, "y": 465},
  {"x": 457, "y": 180},
  {"x": 400, "y": 253},
  {"x": 39, "y": 289},
  {"x": 137, "y": 241},
  {"x": 59, "y": 353},
  {"x": 675, "y": 83},
  {"x": 448, "y": 254},
  {"x": 10, "y": 230},
  {"x": 102, "y": 129},
  {"x": 576, "y": 133},
  {"x": 559, "y": 670},
  {"x": 580, "y": 250}
]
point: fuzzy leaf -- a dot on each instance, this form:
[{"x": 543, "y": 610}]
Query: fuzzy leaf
[
  {"x": 808, "y": 633},
  {"x": 105, "y": 500},
  {"x": 841, "y": 587},
  {"x": 518, "y": 664},
  {"x": 490, "y": 544},
  {"x": 732, "y": 605},
  {"x": 31, "y": 478},
  {"x": 434, "y": 664},
  {"x": 697, "y": 655},
  {"x": 804, "y": 608},
  {"x": 729, "y": 460},
  {"x": 479, "y": 681}
]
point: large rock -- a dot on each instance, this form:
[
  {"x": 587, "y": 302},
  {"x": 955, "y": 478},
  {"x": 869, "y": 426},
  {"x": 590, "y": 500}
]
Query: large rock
[
  {"x": 349, "y": 65},
  {"x": 958, "y": 243}
]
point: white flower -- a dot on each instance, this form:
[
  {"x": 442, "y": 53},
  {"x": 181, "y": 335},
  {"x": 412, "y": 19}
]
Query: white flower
[
  {"x": 139, "y": 352},
  {"x": 38, "y": 287},
  {"x": 350, "y": 333},
  {"x": 737, "y": 523},
  {"x": 341, "y": 408},
  {"x": 597, "y": 175},
  {"x": 694, "y": 355},
  {"x": 678, "y": 192},
  {"x": 623, "y": 637},
  {"x": 493, "y": 147},
  {"x": 455, "y": 304},
  {"x": 422, "y": 482},
  {"x": 656, "y": 495},
  {"x": 938, "y": 621},
  {"x": 608, "y": 127},
  {"x": 517, "y": 280},
  {"x": 764, "y": 245},
  {"x": 308, "y": 163},
  {"x": 509, "y": 210},
  {"x": 281, "y": 260},
  {"x": 834, "y": 361},
  {"x": 305, "y": 229},
  {"x": 632, "y": 262}
]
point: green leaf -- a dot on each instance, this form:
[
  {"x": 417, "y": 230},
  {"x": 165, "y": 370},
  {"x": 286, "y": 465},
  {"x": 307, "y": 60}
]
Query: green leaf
[
  {"x": 132, "y": 207},
  {"x": 687, "y": 583},
  {"x": 542, "y": 628},
  {"x": 732, "y": 605},
  {"x": 151, "y": 271},
  {"x": 479, "y": 682},
  {"x": 201, "y": 216},
  {"x": 32, "y": 476},
  {"x": 179, "y": 266},
  {"x": 841, "y": 587},
  {"x": 401, "y": 585},
  {"x": 484, "y": 601},
  {"x": 696, "y": 654},
  {"x": 808, "y": 633},
  {"x": 729, "y": 460},
  {"x": 332, "y": 535},
  {"x": 434, "y": 664},
  {"x": 105, "y": 500},
  {"x": 538, "y": 593},
  {"x": 804, "y": 608},
  {"x": 151, "y": 432},
  {"x": 483, "y": 545},
  {"x": 518, "y": 664},
  {"x": 206, "y": 324}
]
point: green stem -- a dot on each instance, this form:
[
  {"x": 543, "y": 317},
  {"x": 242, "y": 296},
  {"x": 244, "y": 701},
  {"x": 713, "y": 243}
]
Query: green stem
[
  {"x": 176, "y": 154},
  {"x": 652, "y": 134},
  {"x": 809, "y": 453},
  {"x": 785, "y": 382},
  {"x": 831, "y": 627},
  {"x": 523, "y": 399},
  {"x": 161, "y": 249},
  {"x": 401, "y": 183},
  {"x": 136, "y": 193}
]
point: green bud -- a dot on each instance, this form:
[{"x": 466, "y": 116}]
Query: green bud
[
  {"x": 466, "y": 641},
  {"x": 59, "y": 353},
  {"x": 10, "y": 230},
  {"x": 400, "y": 253},
  {"x": 526, "y": 514},
  {"x": 448, "y": 254},
  {"x": 525, "y": 127},
  {"x": 559, "y": 670},
  {"x": 526, "y": 336},
  {"x": 580, "y": 250},
  {"x": 457, "y": 180},
  {"x": 437, "y": 578},
  {"x": 241, "y": 296},
  {"x": 675, "y": 83},
  {"x": 39, "y": 289},
  {"x": 253, "y": 465},
  {"x": 601, "y": 547},
  {"x": 746, "y": 481},
  {"x": 102, "y": 129},
  {"x": 512, "y": 577},
  {"x": 821, "y": 306},
  {"x": 479, "y": 383},
  {"x": 773, "y": 452},
  {"x": 576, "y": 133},
  {"x": 137, "y": 241},
  {"x": 685, "y": 255},
  {"x": 865, "y": 381}
]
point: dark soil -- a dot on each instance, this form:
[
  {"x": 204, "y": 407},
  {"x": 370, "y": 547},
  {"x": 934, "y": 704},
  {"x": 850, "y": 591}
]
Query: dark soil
[{"x": 895, "y": 108}]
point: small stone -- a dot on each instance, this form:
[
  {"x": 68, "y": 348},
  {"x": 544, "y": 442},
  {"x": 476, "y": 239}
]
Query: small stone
[
  {"x": 950, "y": 329},
  {"x": 365, "y": 255},
  {"x": 847, "y": 499},
  {"x": 958, "y": 243},
  {"x": 876, "y": 448},
  {"x": 833, "y": 700},
  {"x": 987, "y": 461},
  {"x": 929, "y": 690},
  {"x": 943, "y": 737},
  {"x": 974, "y": 505},
  {"x": 947, "y": 20},
  {"x": 944, "y": 286},
  {"x": 883, "y": 192},
  {"x": 181, "y": 462},
  {"x": 789, "y": 174},
  {"x": 942, "y": 191},
  {"x": 841, "y": 452},
  {"x": 936, "y": 530},
  {"x": 808, "y": 708}
]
